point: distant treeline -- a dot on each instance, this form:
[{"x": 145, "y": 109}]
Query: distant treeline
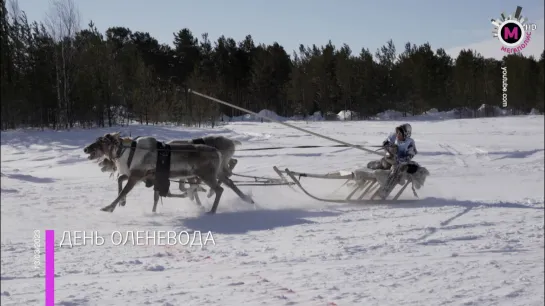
[{"x": 56, "y": 75}]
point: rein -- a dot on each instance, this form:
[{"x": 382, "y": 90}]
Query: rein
[{"x": 122, "y": 148}]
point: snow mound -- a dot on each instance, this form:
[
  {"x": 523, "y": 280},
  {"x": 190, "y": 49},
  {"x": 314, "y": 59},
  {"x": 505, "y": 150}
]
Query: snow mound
[
  {"x": 535, "y": 112},
  {"x": 389, "y": 115},
  {"x": 317, "y": 116},
  {"x": 491, "y": 110},
  {"x": 347, "y": 115},
  {"x": 252, "y": 118}
]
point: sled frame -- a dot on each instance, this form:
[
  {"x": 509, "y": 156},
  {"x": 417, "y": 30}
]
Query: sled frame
[{"x": 362, "y": 188}]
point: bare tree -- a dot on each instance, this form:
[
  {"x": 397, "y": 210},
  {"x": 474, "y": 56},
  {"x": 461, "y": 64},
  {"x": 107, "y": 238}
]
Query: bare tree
[{"x": 63, "y": 22}]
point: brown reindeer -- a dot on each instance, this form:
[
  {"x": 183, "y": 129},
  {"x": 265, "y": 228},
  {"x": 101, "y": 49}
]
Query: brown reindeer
[
  {"x": 187, "y": 161},
  {"x": 226, "y": 147}
]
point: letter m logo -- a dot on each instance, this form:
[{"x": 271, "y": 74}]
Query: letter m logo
[{"x": 508, "y": 33}]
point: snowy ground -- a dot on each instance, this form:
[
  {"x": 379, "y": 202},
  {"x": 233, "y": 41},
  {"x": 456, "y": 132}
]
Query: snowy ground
[{"x": 474, "y": 238}]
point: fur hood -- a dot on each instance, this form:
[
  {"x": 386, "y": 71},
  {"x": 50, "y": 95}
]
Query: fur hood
[{"x": 405, "y": 129}]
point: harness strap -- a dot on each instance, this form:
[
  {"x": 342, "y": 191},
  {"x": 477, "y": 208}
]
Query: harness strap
[
  {"x": 162, "y": 169},
  {"x": 121, "y": 149},
  {"x": 131, "y": 153}
]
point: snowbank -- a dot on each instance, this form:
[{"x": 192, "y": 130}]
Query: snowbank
[
  {"x": 389, "y": 115},
  {"x": 490, "y": 110},
  {"x": 317, "y": 116},
  {"x": 347, "y": 115},
  {"x": 432, "y": 114},
  {"x": 252, "y": 118},
  {"x": 535, "y": 112}
]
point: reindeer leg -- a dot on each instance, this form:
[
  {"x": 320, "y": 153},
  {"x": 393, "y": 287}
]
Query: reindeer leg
[
  {"x": 211, "y": 192},
  {"x": 196, "y": 184},
  {"x": 232, "y": 163},
  {"x": 212, "y": 182},
  {"x": 155, "y": 200},
  {"x": 232, "y": 185},
  {"x": 197, "y": 199},
  {"x": 133, "y": 179},
  {"x": 194, "y": 188},
  {"x": 120, "y": 181},
  {"x": 219, "y": 191},
  {"x": 227, "y": 172}
]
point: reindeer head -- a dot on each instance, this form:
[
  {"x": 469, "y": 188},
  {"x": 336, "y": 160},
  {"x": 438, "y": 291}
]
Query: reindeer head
[{"x": 104, "y": 146}]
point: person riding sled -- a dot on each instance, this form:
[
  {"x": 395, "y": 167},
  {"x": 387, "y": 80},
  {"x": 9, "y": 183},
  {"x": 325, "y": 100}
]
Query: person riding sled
[
  {"x": 406, "y": 148},
  {"x": 402, "y": 149}
]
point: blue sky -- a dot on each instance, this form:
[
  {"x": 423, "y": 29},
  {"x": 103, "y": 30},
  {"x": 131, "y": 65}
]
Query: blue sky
[{"x": 452, "y": 25}]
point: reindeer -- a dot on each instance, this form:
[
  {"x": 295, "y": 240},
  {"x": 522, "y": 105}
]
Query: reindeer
[
  {"x": 223, "y": 144},
  {"x": 187, "y": 161}
]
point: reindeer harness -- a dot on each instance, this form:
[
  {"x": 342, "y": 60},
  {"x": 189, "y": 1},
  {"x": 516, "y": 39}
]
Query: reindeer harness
[{"x": 162, "y": 166}]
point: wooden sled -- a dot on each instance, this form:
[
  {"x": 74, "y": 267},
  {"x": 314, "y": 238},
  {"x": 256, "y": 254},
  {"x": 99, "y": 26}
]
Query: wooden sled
[{"x": 366, "y": 185}]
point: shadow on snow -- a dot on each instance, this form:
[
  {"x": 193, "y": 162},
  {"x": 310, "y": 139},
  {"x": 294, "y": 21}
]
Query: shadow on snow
[
  {"x": 241, "y": 222},
  {"x": 442, "y": 202}
]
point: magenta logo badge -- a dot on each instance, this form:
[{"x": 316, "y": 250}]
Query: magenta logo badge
[{"x": 513, "y": 31}]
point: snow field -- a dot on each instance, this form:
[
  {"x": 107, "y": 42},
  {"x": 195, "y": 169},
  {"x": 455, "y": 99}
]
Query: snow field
[{"x": 475, "y": 236}]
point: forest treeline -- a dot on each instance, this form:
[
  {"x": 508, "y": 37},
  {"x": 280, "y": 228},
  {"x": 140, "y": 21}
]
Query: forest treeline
[{"x": 57, "y": 74}]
